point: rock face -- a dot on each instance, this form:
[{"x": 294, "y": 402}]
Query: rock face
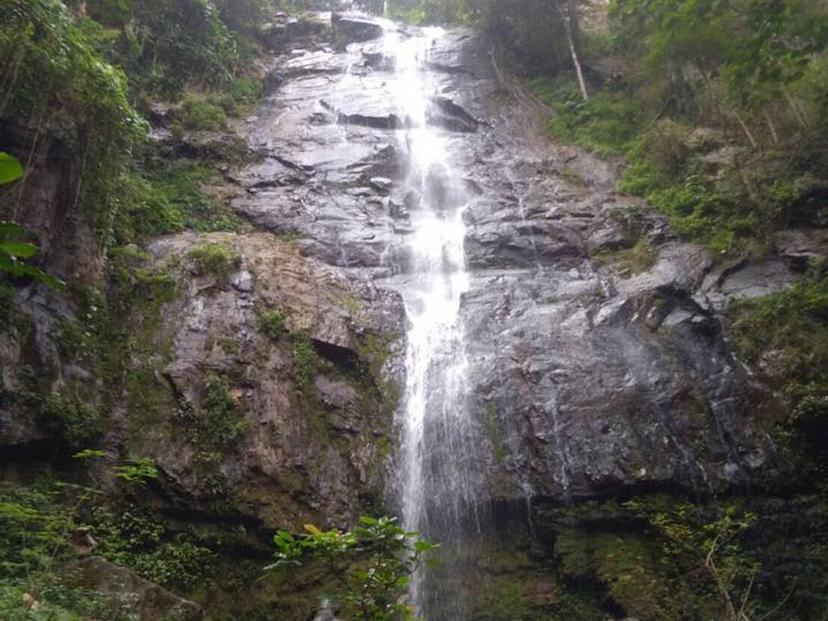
[
  {"x": 291, "y": 419},
  {"x": 585, "y": 377}
]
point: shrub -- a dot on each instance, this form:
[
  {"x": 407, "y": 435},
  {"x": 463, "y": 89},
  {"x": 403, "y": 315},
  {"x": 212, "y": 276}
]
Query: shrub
[
  {"x": 222, "y": 423},
  {"x": 272, "y": 323},
  {"x": 178, "y": 565},
  {"x": 78, "y": 422},
  {"x": 201, "y": 114},
  {"x": 304, "y": 359},
  {"x": 793, "y": 323},
  {"x": 214, "y": 258}
]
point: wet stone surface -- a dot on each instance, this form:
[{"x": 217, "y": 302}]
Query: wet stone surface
[{"x": 584, "y": 378}]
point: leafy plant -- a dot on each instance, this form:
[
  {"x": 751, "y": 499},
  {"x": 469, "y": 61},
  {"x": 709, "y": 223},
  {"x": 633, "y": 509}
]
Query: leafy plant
[
  {"x": 200, "y": 114},
  {"x": 77, "y": 421},
  {"x": 15, "y": 248},
  {"x": 214, "y": 258},
  {"x": 271, "y": 323},
  {"x": 373, "y": 564},
  {"x": 137, "y": 471},
  {"x": 304, "y": 359},
  {"x": 710, "y": 544}
]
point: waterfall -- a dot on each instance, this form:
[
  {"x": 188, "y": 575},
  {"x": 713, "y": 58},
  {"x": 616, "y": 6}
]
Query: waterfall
[{"x": 436, "y": 483}]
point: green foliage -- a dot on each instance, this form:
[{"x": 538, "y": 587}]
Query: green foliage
[
  {"x": 709, "y": 544},
  {"x": 164, "y": 44},
  {"x": 271, "y": 323},
  {"x": 630, "y": 261},
  {"x": 48, "y": 598},
  {"x": 202, "y": 115},
  {"x": 793, "y": 324},
  {"x": 305, "y": 359},
  {"x": 15, "y": 252},
  {"x": 10, "y": 169},
  {"x": 214, "y": 259},
  {"x": 167, "y": 197},
  {"x": 137, "y": 471},
  {"x": 31, "y": 531},
  {"x": 133, "y": 537},
  {"x": 178, "y": 565},
  {"x": 79, "y": 423},
  {"x": 606, "y": 124},
  {"x": 372, "y": 564},
  {"x": 54, "y": 72},
  {"x": 222, "y": 423}
]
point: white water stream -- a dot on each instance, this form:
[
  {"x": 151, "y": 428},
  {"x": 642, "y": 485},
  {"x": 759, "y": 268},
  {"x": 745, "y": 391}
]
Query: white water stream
[{"x": 435, "y": 481}]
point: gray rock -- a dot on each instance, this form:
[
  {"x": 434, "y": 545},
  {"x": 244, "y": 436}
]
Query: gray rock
[
  {"x": 351, "y": 28},
  {"x": 596, "y": 381}
]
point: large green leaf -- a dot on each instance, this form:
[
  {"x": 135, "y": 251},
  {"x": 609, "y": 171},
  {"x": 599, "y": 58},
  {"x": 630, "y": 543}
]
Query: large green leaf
[
  {"x": 22, "y": 250},
  {"x": 10, "y": 168}
]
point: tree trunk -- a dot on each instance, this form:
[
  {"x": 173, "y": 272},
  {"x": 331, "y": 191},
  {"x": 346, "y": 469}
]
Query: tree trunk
[{"x": 570, "y": 24}]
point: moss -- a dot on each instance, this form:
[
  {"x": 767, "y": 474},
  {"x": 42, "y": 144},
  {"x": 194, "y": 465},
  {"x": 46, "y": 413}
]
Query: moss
[
  {"x": 630, "y": 261},
  {"x": 214, "y": 259},
  {"x": 230, "y": 346},
  {"x": 351, "y": 303},
  {"x": 491, "y": 424},
  {"x": 271, "y": 323}
]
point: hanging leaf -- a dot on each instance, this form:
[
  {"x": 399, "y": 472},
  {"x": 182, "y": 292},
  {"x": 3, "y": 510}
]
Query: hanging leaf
[
  {"x": 19, "y": 249},
  {"x": 10, "y": 168}
]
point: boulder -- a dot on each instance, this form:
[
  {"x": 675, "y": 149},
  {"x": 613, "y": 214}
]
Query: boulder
[{"x": 351, "y": 29}]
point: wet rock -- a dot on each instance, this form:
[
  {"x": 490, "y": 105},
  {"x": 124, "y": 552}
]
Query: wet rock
[
  {"x": 350, "y": 28},
  {"x": 802, "y": 247},
  {"x": 595, "y": 378},
  {"x": 381, "y": 184},
  {"x": 448, "y": 115},
  {"x": 285, "y": 466}
]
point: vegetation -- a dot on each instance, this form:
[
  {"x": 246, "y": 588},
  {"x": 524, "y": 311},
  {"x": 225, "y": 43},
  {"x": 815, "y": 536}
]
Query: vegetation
[
  {"x": 15, "y": 249},
  {"x": 791, "y": 327},
  {"x": 304, "y": 359},
  {"x": 372, "y": 564},
  {"x": 746, "y": 72},
  {"x": 76, "y": 421},
  {"x": 630, "y": 261},
  {"x": 718, "y": 109},
  {"x": 214, "y": 259},
  {"x": 272, "y": 324}
]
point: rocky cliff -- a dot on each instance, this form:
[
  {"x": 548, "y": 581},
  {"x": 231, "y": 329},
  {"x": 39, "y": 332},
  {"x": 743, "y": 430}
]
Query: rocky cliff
[{"x": 261, "y": 370}]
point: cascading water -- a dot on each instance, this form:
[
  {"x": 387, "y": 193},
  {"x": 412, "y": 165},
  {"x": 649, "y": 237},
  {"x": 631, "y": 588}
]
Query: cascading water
[{"x": 436, "y": 481}]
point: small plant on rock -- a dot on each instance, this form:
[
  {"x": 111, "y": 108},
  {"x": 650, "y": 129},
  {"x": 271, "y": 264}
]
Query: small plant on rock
[
  {"x": 214, "y": 258},
  {"x": 271, "y": 323}
]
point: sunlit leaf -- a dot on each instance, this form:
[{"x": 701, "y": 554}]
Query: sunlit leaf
[{"x": 10, "y": 168}]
